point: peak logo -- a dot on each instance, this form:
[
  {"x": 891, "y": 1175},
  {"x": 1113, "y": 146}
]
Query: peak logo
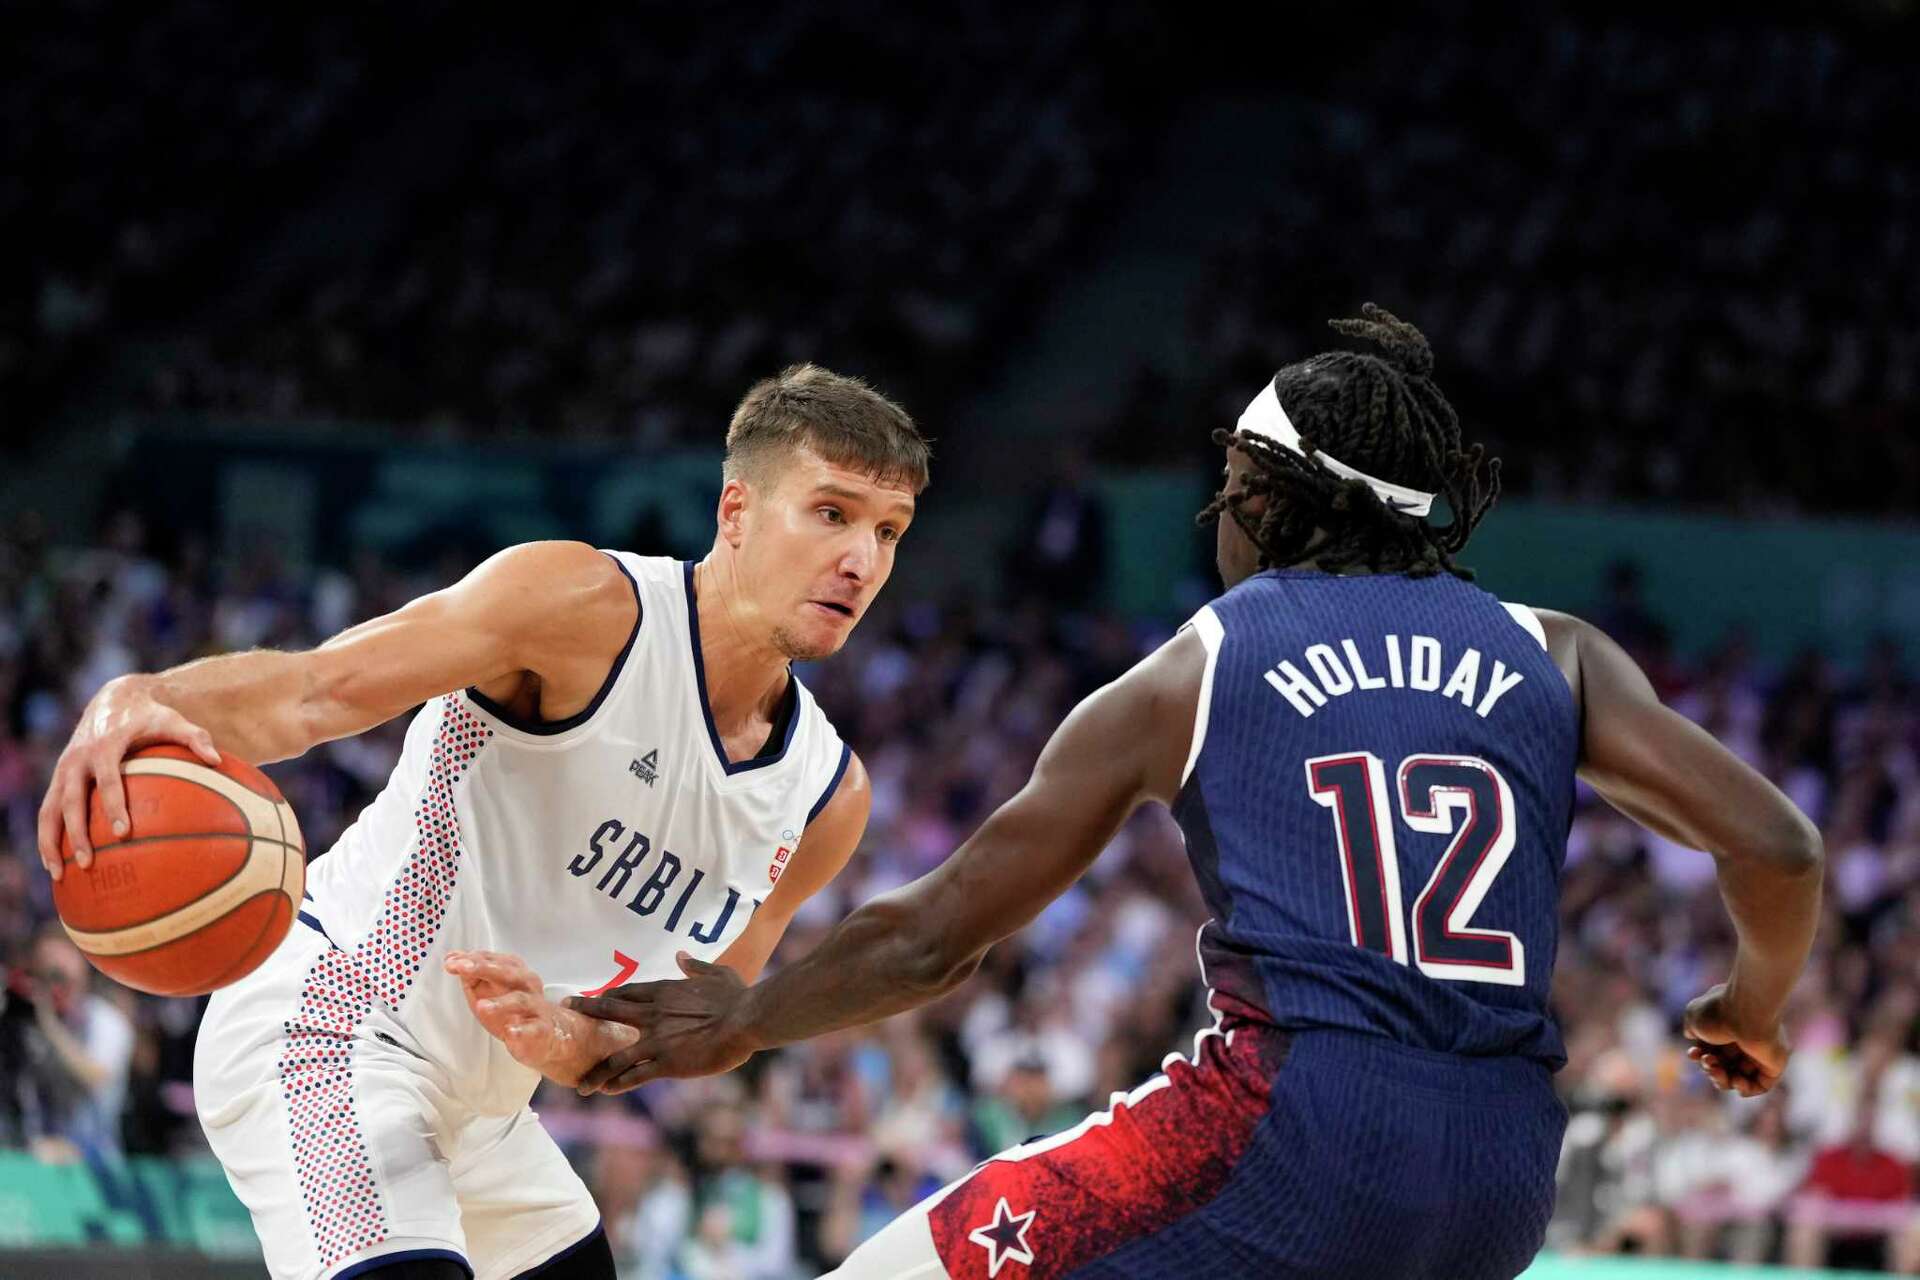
[{"x": 647, "y": 767}]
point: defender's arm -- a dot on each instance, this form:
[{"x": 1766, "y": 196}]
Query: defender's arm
[
  {"x": 1671, "y": 776},
  {"x": 561, "y": 610},
  {"x": 1123, "y": 745}
]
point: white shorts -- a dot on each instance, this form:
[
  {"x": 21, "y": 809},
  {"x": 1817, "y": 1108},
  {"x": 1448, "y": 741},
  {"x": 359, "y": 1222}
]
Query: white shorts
[{"x": 349, "y": 1147}]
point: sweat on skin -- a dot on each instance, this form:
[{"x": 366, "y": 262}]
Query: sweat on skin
[{"x": 1328, "y": 671}]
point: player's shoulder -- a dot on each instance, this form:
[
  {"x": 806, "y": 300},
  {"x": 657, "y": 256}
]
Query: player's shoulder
[
  {"x": 646, "y": 569},
  {"x": 553, "y": 556},
  {"x": 1561, "y": 633},
  {"x": 549, "y": 589}
]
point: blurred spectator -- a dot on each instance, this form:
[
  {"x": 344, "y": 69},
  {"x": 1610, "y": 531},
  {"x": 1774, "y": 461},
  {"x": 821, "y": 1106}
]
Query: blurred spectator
[
  {"x": 1624, "y": 615},
  {"x": 1606, "y": 1199},
  {"x": 1022, "y": 1107},
  {"x": 1039, "y": 1036},
  {"x": 1060, "y": 555},
  {"x": 1855, "y": 1192},
  {"x": 1732, "y": 1210},
  {"x": 69, "y": 1048},
  {"x": 743, "y": 1217},
  {"x": 645, "y": 1204},
  {"x": 868, "y": 1197}
]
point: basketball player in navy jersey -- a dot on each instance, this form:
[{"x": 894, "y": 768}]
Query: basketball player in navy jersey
[{"x": 1373, "y": 763}]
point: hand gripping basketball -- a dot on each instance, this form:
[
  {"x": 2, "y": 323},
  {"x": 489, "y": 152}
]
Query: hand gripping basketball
[
  {"x": 120, "y": 718},
  {"x": 203, "y": 885}
]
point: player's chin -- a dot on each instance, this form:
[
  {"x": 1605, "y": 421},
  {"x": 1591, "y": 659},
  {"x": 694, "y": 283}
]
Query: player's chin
[{"x": 810, "y": 643}]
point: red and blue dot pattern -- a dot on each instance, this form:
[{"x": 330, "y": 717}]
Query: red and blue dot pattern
[{"x": 343, "y": 1203}]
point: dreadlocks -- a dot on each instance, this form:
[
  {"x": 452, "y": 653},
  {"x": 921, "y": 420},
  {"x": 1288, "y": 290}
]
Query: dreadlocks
[{"x": 1384, "y": 415}]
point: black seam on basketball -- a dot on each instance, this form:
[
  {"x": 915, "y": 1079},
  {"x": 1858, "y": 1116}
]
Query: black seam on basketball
[
  {"x": 182, "y": 906},
  {"x": 193, "y": 758},
  {"x": 126, "y": 955},
  {"x": 226, "y": 975},
  {"x": 245, "y": 821},
  {"x": 191, "y": 835}
]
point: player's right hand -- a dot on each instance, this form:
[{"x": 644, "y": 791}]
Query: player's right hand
[
  {"x": 121, "y": 717},
  {"x": 1745, "y": 1060}
]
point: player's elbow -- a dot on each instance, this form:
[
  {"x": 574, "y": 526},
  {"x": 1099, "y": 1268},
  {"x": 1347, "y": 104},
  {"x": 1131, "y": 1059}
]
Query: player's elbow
[
  {"x": 942, "y": 968},
  {"x": 923, "y": 959},
  {"x": 948, "y": 953},
  {"x": 1800, "y": 851},
  {"x": 1791, "y": 846}
]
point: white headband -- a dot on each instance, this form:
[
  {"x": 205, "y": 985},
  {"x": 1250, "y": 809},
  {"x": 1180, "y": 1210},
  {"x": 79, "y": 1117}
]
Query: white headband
[{"x": 1265, "y": 417}]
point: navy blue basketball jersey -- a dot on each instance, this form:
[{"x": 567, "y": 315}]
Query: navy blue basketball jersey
[{"x": 1376, "y": 807}]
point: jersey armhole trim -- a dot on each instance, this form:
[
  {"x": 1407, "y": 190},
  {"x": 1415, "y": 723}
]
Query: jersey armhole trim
[
  {"x": 1206, "y": 625},
  {"x": 1528, "y": 620},
  {"x": 547, "y": 728},
  {"x": 833, "y": 785}
]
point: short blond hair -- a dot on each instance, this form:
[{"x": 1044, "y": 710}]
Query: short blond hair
[{"x": 842, "y": 419}]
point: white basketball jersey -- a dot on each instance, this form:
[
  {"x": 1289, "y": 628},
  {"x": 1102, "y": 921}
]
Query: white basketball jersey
[{"x": 595, "y": 847}]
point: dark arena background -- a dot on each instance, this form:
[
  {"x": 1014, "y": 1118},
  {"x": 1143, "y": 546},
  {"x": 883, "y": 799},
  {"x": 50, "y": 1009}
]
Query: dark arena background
[{"x": 303, "y": 314}]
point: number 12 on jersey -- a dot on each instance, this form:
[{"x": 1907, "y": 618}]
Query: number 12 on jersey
[{"x": 1459, "y": 796}]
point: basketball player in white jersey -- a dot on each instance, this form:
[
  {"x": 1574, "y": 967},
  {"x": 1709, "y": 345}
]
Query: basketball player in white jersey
[{"x": 613, "y": 766}]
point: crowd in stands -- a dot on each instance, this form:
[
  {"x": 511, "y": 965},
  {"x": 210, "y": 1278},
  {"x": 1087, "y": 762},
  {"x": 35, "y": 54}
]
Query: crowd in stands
[
  {"x": 145, "y": 145},
  {"x": 785, "y": 1165},
  {"x": 593, "y": 227},
  {"x": 1657, "y": 262},
  {"x": 1668, "y": 259}
]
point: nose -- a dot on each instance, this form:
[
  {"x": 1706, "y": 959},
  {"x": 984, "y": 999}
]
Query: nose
[{"x": 857, "y": 560}]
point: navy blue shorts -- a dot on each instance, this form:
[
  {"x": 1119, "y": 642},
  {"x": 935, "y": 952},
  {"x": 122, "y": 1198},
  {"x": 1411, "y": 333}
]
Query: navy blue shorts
[{"x": 1324, "y": 1154}]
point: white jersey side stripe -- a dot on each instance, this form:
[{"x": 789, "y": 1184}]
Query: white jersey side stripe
[
  {"x": 1206, "y": 625},
  {"x": 1528, "y": 620}
]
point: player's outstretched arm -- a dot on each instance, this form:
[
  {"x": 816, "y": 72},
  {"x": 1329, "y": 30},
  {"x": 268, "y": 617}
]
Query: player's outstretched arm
[
  {"x": 1671, "y": 776},
  {"x": 559, "y": 609},
  {"x": 1122, "y": 746}
]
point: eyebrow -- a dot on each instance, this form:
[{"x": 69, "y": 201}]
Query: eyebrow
[{"x": 829, "y": 489}]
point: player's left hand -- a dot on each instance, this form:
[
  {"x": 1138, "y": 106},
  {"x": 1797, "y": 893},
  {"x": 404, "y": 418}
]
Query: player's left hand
[
  {"x": 509, "y": 1000},
  {"x": 688, "y": 1027},
  {"x": 1737, "y": 1058}
]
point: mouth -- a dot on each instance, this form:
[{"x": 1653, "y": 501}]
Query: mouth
[{"x": 833, "y": 607}]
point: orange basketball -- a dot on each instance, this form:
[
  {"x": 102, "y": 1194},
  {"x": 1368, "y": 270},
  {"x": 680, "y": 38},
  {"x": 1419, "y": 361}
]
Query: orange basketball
[{"x": 200, "y": 890}]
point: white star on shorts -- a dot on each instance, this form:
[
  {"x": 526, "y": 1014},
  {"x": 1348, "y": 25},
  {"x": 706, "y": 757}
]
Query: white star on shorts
[{"x": 1005, "y": 1238}]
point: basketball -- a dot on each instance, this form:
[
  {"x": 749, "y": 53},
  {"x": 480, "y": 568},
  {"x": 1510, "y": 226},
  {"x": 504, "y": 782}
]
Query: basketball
[{"x": 203, "y": 886}]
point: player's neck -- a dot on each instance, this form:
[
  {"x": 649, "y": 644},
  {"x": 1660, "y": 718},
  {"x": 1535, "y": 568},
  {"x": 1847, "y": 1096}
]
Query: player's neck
[{"x": 746, "y": 674}]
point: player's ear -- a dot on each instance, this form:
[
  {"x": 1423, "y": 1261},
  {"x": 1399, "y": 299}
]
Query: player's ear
[{"x": 736, "y": 496}]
